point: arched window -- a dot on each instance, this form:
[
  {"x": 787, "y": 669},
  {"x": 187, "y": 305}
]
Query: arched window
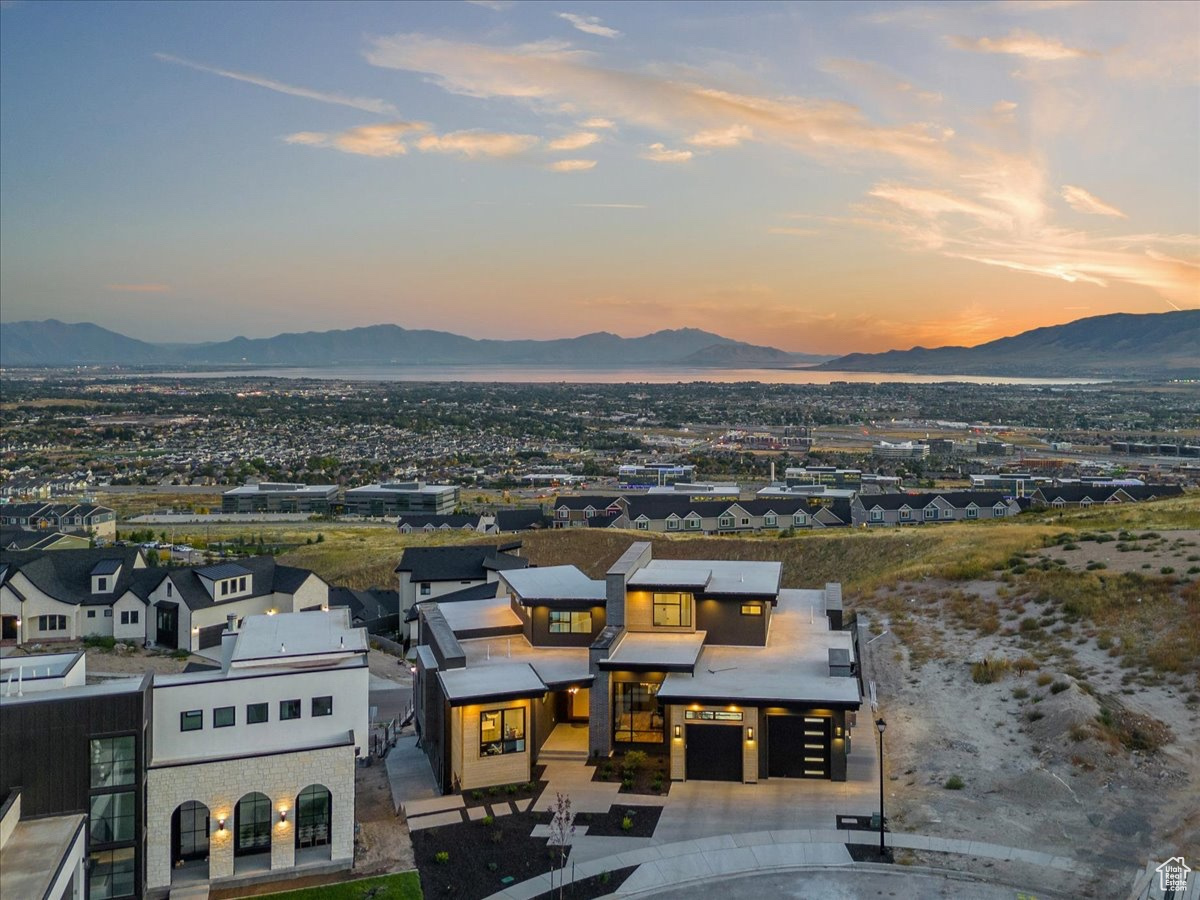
[
  {"x": 314, "y": 816},
  {"x": 189, "y": 832},
  {"x": 252, "y": 825}
]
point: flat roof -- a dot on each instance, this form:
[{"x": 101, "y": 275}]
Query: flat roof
[
  {"x": 792, "y": 668},
  {"x": 660, "y": 652},
  {"x": 40, "y": 665},
  {"x": 277, "y": 488},
  {"x": 285, "y": 636},
  {"x": 489, "y": 612},
  {"x": 404, "y": 488},
  {"x": 111, "y": 686},
  {"x": 34, "y": 853},
  {"x": 510, "y": 680},
  {"x": 554, "y": 583},
  {"x": 554, "y": 665},
  {"x": 711, "y": 576}
]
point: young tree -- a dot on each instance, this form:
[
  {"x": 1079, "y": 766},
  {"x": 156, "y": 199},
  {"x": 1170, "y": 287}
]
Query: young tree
[{"x": 562, "y": 829}]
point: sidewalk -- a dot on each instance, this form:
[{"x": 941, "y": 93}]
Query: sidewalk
[{"x": 665, "y": 865}]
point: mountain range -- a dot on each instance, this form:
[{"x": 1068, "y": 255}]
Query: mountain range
[
  {"x": 1120, "y": 345},
  {"x": 53, "y": 343},
  {"x": 1153, "y": 345}
]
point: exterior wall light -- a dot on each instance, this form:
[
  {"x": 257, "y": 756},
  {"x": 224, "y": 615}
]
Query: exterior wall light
[
  {"x": 678, "y": 732},
  {"x": 283, "y": 817},
  {"x": 220, "y": 824},
  {"x": 839, "y": 731},
  {"x": 750, "y": 734}
]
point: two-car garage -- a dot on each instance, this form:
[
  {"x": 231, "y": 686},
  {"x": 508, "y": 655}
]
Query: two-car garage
[{"x": 772, "y": 742}]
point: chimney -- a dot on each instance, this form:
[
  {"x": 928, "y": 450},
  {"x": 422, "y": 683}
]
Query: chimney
[
  {"x": 772, "y": 471},
  {"x": 833, "y": 605},
  {"x": 228, "y": 640}
]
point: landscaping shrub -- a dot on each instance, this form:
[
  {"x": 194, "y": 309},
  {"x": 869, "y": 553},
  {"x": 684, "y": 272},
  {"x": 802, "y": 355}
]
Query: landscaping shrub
[
  {"x": 626, "y": 823},
  {"x": 441, "y": 857},
  {"x": 100, "y": 642},
  {"x": 954, "y": 783},
  {"x": 635, "y": 760},
  {"x": 487, "y": 820}
]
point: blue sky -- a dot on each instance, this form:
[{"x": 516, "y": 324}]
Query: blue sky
[{"x": 825, "y": 177}]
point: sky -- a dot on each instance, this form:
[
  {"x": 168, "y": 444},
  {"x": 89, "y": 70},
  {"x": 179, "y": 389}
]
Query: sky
[{"x": 822, "y": 177}]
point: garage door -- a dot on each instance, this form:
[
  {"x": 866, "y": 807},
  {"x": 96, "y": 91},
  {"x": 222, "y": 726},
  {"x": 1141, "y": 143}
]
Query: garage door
[
  {"x": 211, "y": 636},
  {"x": 798, "y": 746},
  {"x": 714, "y": 753}
]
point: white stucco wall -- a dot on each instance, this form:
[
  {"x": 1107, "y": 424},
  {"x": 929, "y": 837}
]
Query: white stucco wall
[
  {"x": 220, "y": 784},
  {"x": 93, "y": 621},
  {"x": 130, "y": 603},
  {"x": 37, "y": 604},
  {"x": 313, "y": 592}
]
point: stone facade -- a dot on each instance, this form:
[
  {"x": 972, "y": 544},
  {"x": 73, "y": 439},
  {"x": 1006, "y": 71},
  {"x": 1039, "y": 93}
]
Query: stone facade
[{"x": 220, "y": 784}]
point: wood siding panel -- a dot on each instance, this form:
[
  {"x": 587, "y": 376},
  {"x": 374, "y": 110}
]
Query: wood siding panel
[{"x": 476, "y": 771}]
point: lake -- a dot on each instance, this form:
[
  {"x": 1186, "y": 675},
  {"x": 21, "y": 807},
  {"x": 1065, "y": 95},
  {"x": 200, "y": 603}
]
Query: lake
[{"x": 556, "y": 374}]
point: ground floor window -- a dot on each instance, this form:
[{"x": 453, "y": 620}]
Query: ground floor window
[
  {"x": 252, "y": 825},
  {"x": 52, "y": 623},
  {"x": 501, "y": 731},
  {"x": 314, "y": 816},
  {"x": 637, "y": 716},
  {"x": 112, "y": 874}
]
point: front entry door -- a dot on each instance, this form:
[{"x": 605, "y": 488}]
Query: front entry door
[{"x": 167, "y": 621}]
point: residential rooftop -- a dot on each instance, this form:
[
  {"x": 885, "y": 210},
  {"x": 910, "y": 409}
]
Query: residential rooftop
[
  {"x": 554, "y": 583},
  {"x": 291, "y": 637},
  {"x": 710, "y": 576}
]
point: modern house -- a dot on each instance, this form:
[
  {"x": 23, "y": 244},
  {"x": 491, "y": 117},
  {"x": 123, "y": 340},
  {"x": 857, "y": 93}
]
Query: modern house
[
  {"x": 428, "y": 573},
  {"x": 277, "y": 497},
  {"x": 710, "y": 663},
  {"x": 241, "y": 773},
  {"x": 931, "y": 508},
  {"x": 72, "y": 518},
  {"x": 111, "y": 592},
  {"x": 396, "y": 498}
]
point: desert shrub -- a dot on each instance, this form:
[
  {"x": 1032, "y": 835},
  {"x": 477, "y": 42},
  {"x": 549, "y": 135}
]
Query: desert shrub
[
  {"x": 1133, "y": 730},
  {"x": 988, "y": 670},
  {"x": 1033, "y": 715},
  {"x": 1044, "y": 679},
  {"x": 1079, "y": 733},
  {"x": 1167, "y": 570},
  {"x": 100, "y": 642},
  {"x": 1025, "y": 664},
  {"x": 1194, "y": 570},
  {"x": 1104, "y": 640},
  {"x": 1070, "y": 546},
  {"x": 954, "y": 783},
  {"x": 1096, "y": 564},
  {"x": 1020, "y": 693},
  {"x": 1028, "y": 624},
  {"x": 1059, "y": 686}
]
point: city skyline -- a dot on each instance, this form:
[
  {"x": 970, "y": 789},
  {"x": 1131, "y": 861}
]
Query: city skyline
[{"x": 817, "y": 177}]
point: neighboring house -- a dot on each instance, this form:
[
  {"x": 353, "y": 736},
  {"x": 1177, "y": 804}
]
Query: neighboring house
[
  {"x": 1085, "y": 495},
  {"x": 277, "y": 497},
  {"x": 72, "y": 518},
  {"x": 931, "y": 508},
  {"x": 399, "y": 497},
  {"x": 110, "y": 592},
  {"x": 376, "y": 609},
  {"x": 233, "y": 775},
  {"x": 425, "y": 573},
  {"x": 19, "y": 539},
  {"x": 576, "y": 512},
  {"x": 512, "y": 520},
  {"x": 738, "y": 679},
  {"x": 665, "y": 513},
  {"x": 408, "y": 523}
]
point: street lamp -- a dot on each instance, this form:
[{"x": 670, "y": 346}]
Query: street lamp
[{"x": 881, "y": 725}]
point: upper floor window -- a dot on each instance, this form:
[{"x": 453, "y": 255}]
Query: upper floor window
[
  {"x": 112, "y": 761},
  {"x": 877, "y": 515},
  {"x": 426, "y": 588},
  {"x": 672, "y": 524},
  {"x": 112, "y": 817},
  {"x": 191, "y": 720},
  {"x": 170, "y": 588},
  {"x": 999, "y": 511},
  {"x": 224, "y": 717},
  {"x": 693, "y": 523},
  {"x": 800, "y": 519},
  {"x": 642, "y": 525},
  {"x": 972, "y": 512},
  {"x": 768, "y": 520},
  {"x": 101, "y": 585},
  {"x": 567, "y": 622},
  {"x": 906, "y": 514},
  {"x": 256, "y": 713},
  {"x": 673, "y": 610},
  {"x": 322, "y": 706},
  {"x": 289, "y": 709}
]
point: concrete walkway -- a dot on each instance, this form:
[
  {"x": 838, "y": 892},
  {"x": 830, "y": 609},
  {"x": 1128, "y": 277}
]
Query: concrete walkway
[{"x": 668, "y": 865}]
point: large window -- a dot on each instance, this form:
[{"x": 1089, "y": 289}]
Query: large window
[
  {"x": 112, "y": 818},
  {"x": 501, "y": 731},
  {"x": 673, "y": 610},
  {"x": 256, "y": 713},
  {"x": 252, "y": 825},
  {"x": 314, "y": 816},
  {"x": 129, "y": 617},
  {"x": 565, "y": 622},
  {"x": 52, "y": 623},
  {"x": 637, "y": 717},
  {"x": 111, "y": 874},
  {"x": 112, "y": 761}
]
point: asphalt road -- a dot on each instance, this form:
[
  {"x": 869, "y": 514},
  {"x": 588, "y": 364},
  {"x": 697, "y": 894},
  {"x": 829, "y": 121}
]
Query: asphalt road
[{"x": 845, "y": 884}]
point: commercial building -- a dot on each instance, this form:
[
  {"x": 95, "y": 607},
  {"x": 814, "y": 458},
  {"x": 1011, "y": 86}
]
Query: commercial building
[
  {"x": 903, "y": 450},
  {"x": 277, "y": 497},
  {"x": 633, "y": 477},
  {"x": 395, "y": 498},
  {"x": 711, "y": 663}
]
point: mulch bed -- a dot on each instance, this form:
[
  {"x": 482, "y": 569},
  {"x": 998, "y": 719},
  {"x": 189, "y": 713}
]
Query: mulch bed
[
  {"x": 869, "y": 853},
  {"x": 591, "y": 888},
  {"x": 480, "y": 856},
  {"x": 644, "y": 778},
  {"x": 500, "y": 793},
  {"x": 643, "y": 819}
]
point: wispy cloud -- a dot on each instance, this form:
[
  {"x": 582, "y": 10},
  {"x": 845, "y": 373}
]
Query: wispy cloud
[
  {"x": 1082, "y": 201},
  {"x": 589, "y": 25},
  {"x": 149, "y": 288},
  {"x": 795, "y": 232},
  {"x": 478, "y": 144},
  {"x": 1022, "y": 43},
  {"x": 493, "y": 5},
  {"x": 366, "y": 104},
  {"x": 576, "y": 141},
  {"x": 572, "y": 165},
  {"x": 721, "y": 137},
  {"x": 610, "y": 205},
  {"x": 660, "y": 153},
  {"x": 382, "y": 140},
  {"x": 598, "y": 123}
]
